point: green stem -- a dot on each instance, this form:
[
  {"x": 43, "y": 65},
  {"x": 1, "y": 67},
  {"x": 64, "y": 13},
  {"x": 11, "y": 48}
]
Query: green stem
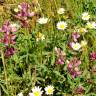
[{"x": 4, "y": 66}]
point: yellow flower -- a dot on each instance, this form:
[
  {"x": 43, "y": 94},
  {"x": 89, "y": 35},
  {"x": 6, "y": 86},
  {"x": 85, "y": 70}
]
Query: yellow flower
[
  {"x": 60, "y": 11},
  {"x": 16, "y": 10},
  {"x": 49, "y": 90},
  {"x": 40, "y": 36},
  {"x": 61, "y": 25},
  {"x": 36, "y": 92},
  {"x": 91, "y": 25},
  {"x": 85, "y": 16},
  {"x": 82, "y": 30},
  {"x": 83, "y": 43}
]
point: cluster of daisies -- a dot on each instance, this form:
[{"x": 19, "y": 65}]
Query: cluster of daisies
[
  {"x": 75, "y": 45},
  {"x": 37, "y": 91}
]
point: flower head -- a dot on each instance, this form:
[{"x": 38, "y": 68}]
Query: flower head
[
  {"x": 42, "y": 20},
  {"x": 91, "y": 25},
  {"x": 82, "y": 30},
  {"x": 16, "y": 10},
  {"x": 23, "y": 12},
  {"x": 85, "y": 16},
  {"x": 9, "y": 51},
  {"x": 79, "y": 90},
  {"x": 75, "y": 36},
  {"x": 83, "y": 43},
  {"x": 60, "y": 11},
  {"x": 75, "y": 46},
  {"x": 73, "y": 67},
  {"x": 93, "y": 56},
  {"x": 61, "y": 25},
  {"x": 9, "y": 37},
  {"x": 36, "y": 91},
  {"x": 61, "y": 56},
  {"x": 40, "y": 36},
  {"x": 49, "y": 90}
]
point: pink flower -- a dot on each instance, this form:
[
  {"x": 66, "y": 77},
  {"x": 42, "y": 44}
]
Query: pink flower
[
  {"x": 61, "y": 56},
  {"x": 8, "y": 38},
  {"x": 75, "y": 36},
  {"x": 73, "y": 67},
  {"x": 23, "y": 13},
  {"x": 9, "y": 51},
  {"x": 93, "y": 56},
  {"x": 79, "y": 90},
  {"x": 7, "y": 27},
  {"x": 60, "y": 61}
]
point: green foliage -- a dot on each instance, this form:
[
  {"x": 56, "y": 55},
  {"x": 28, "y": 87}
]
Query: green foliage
[{"x": 33, "y": 63}]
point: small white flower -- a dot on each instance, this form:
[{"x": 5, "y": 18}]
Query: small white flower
[
  {"x": 83, "y": 43},
  {"x": 36, "y": 91},
  {"x": 61, "y": 25},
  {"x": 91, "y": 25},
  {"x": 49, "y": 90},
  {"x": 16, "y": 10},
  {"x": 42, "y": 20},
  {"x": 85, "y": 16},
  {"x": 20, "y": 94},
  {"x": 61, "y": 11},
  {"x": 76, "y": 46}
]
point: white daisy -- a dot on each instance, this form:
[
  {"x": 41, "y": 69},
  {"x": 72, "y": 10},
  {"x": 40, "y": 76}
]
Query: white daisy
[
  {"x": 85, "y": 16},
  {"x": 49, "y": 90},
  {"x": 61, "y": 25},
  {"x": 91, "y": 25},
  {"x": 60, "y": 11},
  {"x": 75, "y": 46},
  {"x": 36, "y": 91},
  {"x": 20, "y": 94},
  {"x": 42, "y": 20}
]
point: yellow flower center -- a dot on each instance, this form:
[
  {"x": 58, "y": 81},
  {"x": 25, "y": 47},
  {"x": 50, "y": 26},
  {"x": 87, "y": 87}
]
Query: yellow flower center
[
  {"x": 76, "y": 46},
  {"x": 36, "y": 93},
  {"x": 50, "y": 91},
  {"x": 87, "y": 16},
  {"x": 81, "y": 30},
  {"x": 62, "y": 26}
]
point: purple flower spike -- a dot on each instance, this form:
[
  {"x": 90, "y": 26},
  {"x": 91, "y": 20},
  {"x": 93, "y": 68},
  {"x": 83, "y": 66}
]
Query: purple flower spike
[
  {"x": 73, "y": 67},
  {"x": 61, "y": 56},
  {"x": 93, "y": 56}
]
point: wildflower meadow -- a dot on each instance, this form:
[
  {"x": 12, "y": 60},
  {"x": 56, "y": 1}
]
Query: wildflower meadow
[{"x": 47, "y": 47}]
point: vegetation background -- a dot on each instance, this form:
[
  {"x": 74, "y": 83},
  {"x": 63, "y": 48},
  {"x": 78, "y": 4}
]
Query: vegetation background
[{"x": 33, "y": 63}]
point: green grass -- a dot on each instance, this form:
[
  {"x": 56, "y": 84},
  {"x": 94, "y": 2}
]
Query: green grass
[{"x": 34, "y": 62}]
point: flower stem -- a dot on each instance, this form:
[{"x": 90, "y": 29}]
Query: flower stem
[{"x": 4, "y": 66}]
